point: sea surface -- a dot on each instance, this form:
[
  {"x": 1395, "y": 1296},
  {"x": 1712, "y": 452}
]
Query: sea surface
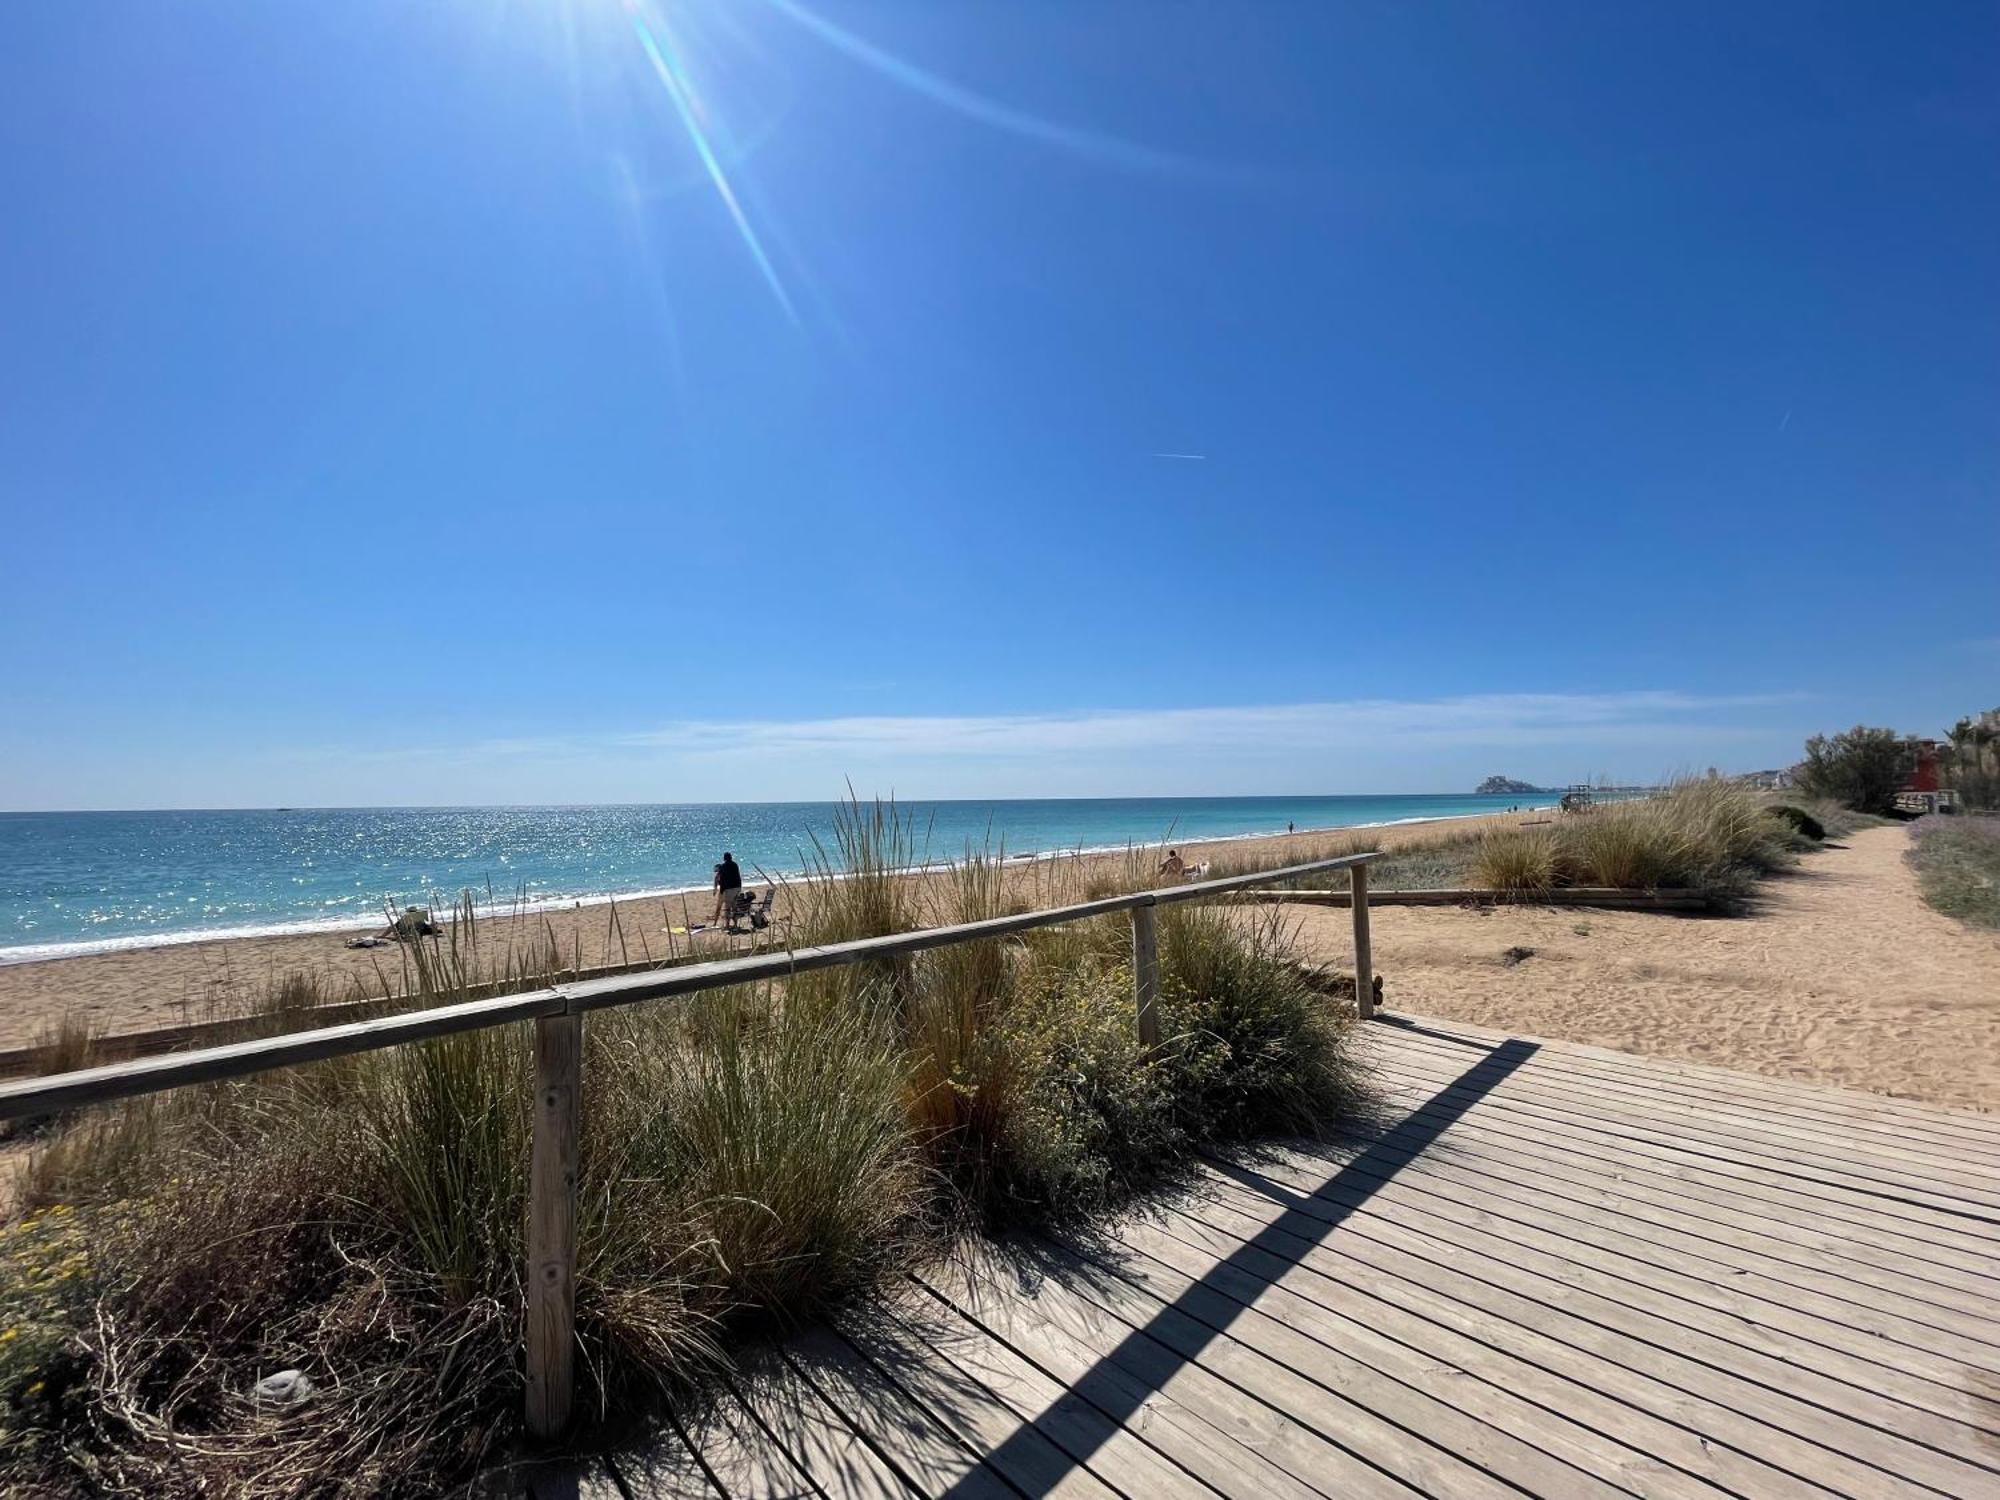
[{"x": 92, "y": 882}]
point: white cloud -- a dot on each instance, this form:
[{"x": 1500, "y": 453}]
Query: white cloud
[
  {"x": 1484, "y": 719},
  {"x": 1358, "y": 745}
]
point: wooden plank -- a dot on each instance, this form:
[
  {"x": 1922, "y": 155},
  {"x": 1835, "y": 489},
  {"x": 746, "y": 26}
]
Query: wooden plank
[
  {"x": 1123, "y": 1459},
  {"x": 1016, "y": 1450},
  {"x": 1155, "y": 1286},
  {"x": 924, "y": 1452},
  {"x": 1042, "y": 1324},
  {"x": 1428, "y": 1278},
  {"x": 1956, "y": 1246},
  {"x": 1947, "y": 1267},
  {"x": 1127, "y": 1355},
  {"x": 1704, "y": 1221},
  {"x": 1621, "y": 1444},
  {"x": 1830, "y": 1308},
  {"x": 552, "y": 1168},
  {"x": 1320, "y": 1388},
  {"x": 742, "y": 1459},
  {"x": 1934, "y": 1222},
  {"x": 588, "y": 1478},
  {"x": 1833, "y": 1120},
  {"x": 1936, "y": 1410},
  {"x": 1972, "y": 1126},
  {"x": 1797, "y": 1434},
  {"x": 1146, "y": 975},
  {"x": 1899, "y": 1193},
  {"x": 1752, "y": 1132},
  {"x": 660, "y": 1467},
  {"x": 812, "y": 1433},
  {"x": 1538, "y": 1448},
  {"x": 63, "y": 1091},
  {"x": 1364, "y": 950},
  {"x": 1581, "y": 897}
]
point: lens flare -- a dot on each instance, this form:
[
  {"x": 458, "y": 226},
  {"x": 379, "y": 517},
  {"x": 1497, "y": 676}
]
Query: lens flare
[
  {"x": 658, "y": 44},
  {"x": 974, "y": 106}
]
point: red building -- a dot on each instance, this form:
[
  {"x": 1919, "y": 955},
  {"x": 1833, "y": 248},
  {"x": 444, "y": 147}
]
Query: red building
[{"x": 1924, "y": 767}]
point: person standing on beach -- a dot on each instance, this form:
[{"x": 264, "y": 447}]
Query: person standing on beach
[{"x": 728, "y": 881}]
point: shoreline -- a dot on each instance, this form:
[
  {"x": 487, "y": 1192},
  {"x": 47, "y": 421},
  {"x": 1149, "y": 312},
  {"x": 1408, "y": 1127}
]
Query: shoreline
[
  {"x": 343, "y": 926},
  {"x": 157, "y": 985}
]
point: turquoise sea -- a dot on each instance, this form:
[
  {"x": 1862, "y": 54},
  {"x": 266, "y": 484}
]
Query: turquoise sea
[{"x": 89, "y": 882}]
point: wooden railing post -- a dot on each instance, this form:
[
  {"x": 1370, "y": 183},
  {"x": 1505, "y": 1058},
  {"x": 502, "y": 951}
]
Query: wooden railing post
[
  {"x": 552, "y": 1224},
  {"x": 1146, "y": 974},
  {"x": 1364, "y": 957}
]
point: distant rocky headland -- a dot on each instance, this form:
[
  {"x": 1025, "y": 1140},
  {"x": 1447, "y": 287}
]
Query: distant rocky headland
[{"x": 1505, "y": 786}]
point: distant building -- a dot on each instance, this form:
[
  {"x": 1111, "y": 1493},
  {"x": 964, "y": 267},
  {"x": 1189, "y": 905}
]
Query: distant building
[
  {"x": 1921, "y": 791},
  {"x": 1923, "y": 766}
]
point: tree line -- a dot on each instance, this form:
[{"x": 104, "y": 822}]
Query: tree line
[{"x": 1864, "y": 767}]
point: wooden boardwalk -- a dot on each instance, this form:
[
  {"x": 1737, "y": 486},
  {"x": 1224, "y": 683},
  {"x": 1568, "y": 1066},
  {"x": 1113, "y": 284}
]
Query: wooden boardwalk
[{"x": 1544, "y": 1269}]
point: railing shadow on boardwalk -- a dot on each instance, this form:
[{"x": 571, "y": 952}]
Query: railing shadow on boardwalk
[{"x": 905, "y": 1346}]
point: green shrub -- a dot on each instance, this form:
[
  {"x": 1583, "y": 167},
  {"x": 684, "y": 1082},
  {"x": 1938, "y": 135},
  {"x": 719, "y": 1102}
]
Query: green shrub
[
  {"x": 45, "y": 1288},
  {"x": 1801, "y": 821},
  {"x": 1860, "y": 768},
  {"x": 1254, "y": 1047}
]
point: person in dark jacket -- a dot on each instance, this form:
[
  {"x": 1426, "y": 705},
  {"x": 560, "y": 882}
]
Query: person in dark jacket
[{"x": 728, "y": 881}]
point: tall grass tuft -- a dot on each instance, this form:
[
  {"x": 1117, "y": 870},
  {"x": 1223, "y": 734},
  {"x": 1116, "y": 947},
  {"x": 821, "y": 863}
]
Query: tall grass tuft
[{"x": 1525, "y": 860}]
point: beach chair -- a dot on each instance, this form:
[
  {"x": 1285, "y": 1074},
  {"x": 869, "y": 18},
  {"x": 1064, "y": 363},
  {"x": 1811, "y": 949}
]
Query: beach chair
[{"x": 746, "y": 906}]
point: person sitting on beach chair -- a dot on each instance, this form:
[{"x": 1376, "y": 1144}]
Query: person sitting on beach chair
[
  {"x": 411, "y": 925},
  {"x": 745, "y": 906}
]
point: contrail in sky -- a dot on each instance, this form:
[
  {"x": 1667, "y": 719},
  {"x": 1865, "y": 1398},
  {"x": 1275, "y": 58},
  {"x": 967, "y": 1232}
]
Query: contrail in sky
[{"x": 1180, "y": 455}]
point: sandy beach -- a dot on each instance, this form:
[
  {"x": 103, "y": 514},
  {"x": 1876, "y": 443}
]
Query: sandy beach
[
  {"x": 137, "y": 989},
  {"x": 1839, "y": 975}
]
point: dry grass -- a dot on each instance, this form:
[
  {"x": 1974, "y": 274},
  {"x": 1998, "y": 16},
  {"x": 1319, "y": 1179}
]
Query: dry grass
[
  {"x": 1957, "y": 860},
  {"x": 750, "y": 1155},
  {"x": 1705, "y": 835}
]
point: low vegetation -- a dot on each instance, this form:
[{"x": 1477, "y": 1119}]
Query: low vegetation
[
  {"x": 1957, "y": 861},
  {"x": 1708, "y": 835},
  {"x": 749, "y": 1156},
  {"x": 1859, "y": 768}
]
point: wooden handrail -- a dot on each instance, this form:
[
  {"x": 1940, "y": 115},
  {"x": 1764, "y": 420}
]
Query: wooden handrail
[
  {"x": 59, "y": 1091},
  {"x": 557, "y": 1012}
]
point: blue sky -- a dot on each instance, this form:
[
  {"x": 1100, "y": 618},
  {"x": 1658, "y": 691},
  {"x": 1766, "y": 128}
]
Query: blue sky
[{"x": 713, "y": 399}]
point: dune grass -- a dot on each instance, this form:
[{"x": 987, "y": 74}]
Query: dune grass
[
  {"x": 749, "y": 1157},
  {"x": 1707, "y": 835},
  {"x": 1957, "y": 860}
]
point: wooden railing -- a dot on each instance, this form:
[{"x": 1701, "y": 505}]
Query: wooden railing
[{"x": 558, "y": 1013}]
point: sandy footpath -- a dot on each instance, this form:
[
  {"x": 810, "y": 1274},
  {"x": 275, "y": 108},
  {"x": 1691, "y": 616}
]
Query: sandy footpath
[
  {"x": 140, "y": 988},
  {"x": 1841, "y": 975}
]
